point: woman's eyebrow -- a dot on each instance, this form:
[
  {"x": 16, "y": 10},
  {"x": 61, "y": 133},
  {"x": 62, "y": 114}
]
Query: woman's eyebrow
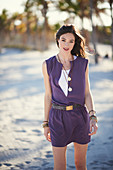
[{"x": 65, "y": 39}]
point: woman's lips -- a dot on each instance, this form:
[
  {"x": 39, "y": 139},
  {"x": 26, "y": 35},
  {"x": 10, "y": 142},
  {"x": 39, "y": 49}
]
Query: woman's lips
[{"x": 66, "y": 49}]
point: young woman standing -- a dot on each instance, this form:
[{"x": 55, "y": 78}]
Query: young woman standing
[{"x": 69, "y": 108}]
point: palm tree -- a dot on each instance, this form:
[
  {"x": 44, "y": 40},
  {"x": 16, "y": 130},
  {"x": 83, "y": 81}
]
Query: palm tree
[
  {"x": 4, "y": 27},
  {"x": 93, "y": 31},
  {"x": 84, "y": 9},
  {"x": 28, "y": 15},
  {"x": 111, "y": 9},
  {"x": 42, "y": 5}
]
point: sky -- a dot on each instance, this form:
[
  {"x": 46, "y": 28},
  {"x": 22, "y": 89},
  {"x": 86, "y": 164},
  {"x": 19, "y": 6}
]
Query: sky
[{"x": 16, "y": 6}]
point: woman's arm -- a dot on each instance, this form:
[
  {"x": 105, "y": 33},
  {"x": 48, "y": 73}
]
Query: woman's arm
[
  {"x": 47, "y": 97},
  {"x": 90, "y": 104},
  {"x": 47, "y": 100},
  {"x": 88, "y": 96}
]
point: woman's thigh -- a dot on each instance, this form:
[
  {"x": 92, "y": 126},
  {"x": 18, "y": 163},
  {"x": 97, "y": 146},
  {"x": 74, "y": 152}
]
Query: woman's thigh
[
  {"x": 59, "y": 154},
  {"x": 80, "y": 152}
]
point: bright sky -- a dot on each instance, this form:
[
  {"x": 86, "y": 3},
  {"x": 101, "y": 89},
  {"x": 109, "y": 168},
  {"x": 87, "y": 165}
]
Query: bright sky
[
  {"x": 12, "y": 5},
  {"x": 16, "y": 6}
]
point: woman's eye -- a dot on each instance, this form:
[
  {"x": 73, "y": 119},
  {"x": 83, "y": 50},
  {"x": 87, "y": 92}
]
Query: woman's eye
[
  {"x": 63, "y": 40},
  {"x": 71, "y": 41}
]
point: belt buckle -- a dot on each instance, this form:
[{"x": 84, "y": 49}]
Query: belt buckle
[{"x": 69, "y": 107}]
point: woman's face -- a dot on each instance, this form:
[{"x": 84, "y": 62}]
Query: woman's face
[{"x": 66, "y": 42}]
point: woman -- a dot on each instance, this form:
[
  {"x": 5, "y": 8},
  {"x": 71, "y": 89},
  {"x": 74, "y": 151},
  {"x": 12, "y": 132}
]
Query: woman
[{"x": 68, "y": 99}]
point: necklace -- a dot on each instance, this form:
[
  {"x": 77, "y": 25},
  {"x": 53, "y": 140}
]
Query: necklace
[{"x": 67, "y": 79}]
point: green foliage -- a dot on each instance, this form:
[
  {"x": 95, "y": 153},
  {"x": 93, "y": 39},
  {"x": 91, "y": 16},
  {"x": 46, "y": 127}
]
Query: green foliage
[
  {"x": 56, "y": 27},
  {"x": 69, "y": 6},
  {"x": 29, "y": 19},
  {"x": 3, "y": 19}
]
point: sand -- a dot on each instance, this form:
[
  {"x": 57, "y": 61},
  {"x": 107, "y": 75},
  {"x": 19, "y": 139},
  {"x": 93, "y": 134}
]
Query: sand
[{"x": 22, "y": 143}]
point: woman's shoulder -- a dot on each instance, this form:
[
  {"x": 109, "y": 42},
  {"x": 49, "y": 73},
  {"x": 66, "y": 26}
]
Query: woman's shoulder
[
  {"x": 48, "y": 63},
  {"x": 83, "y": 62},
  {"x": 50, "y": 59},
  {"x": 83, "y": 59}
]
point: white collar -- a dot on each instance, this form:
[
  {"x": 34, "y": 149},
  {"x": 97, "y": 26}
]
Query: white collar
[{"x": 75, "y": 57}]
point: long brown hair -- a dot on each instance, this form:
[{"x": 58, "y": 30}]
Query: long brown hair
[{"x": 79, "y": 46}]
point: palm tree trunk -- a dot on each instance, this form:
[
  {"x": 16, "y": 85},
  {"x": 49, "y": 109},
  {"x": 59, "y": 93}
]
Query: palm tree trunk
[
  {"x": 45, "y": 29},
  {"x": 93, "y": 32},
  {"x": 111, "y": 9}
]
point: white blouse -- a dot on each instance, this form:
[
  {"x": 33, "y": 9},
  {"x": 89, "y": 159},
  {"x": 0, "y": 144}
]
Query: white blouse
[{"x": 62, "y": 81}]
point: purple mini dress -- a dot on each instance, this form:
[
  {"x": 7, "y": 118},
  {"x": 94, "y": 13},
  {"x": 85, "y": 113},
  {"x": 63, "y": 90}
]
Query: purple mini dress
[{"x": 73, "y": 125}]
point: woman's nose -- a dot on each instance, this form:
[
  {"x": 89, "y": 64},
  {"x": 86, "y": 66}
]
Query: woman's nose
[{"x": 66, "y": 44}]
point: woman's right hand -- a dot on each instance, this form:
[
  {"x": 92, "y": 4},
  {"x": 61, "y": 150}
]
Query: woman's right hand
[{"x": 47, "y": 133}]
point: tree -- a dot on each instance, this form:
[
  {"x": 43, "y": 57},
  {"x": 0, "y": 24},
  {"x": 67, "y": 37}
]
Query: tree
[
  {"x": 4, "y": 26},
  {"x": 84, "y": 9},
  {"x": 42, "y": 5},
  {"x": 111, "y": 9},
  {"x": 28, "y": 13}
]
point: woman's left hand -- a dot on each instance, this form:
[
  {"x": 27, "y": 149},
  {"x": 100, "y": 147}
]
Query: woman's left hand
[{"x": 93, "y": 127}]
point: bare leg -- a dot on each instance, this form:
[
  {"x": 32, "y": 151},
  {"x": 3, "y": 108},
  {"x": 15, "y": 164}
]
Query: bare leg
[
  {"x": 59, "y": 154},
  {"x": 80, "y": 156}
]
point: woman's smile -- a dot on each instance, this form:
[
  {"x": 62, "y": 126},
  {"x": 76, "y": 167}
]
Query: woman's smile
[{"x": 66, "y": 49}]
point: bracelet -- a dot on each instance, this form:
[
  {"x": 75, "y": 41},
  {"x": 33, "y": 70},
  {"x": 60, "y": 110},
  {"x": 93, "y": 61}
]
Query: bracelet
[
  {"x": 45, "y": 121},
  {"x": 92, "y": 111},
  {"x": 45, "y": 125},
  {"x": 93, "y": 117}
]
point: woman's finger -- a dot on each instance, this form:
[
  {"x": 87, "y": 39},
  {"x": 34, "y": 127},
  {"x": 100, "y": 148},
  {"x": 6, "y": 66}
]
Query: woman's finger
[
  {"x": 49, "y": 138},
  {"x": 95, "y": 127},
  {"x": 90, "y": 127}
]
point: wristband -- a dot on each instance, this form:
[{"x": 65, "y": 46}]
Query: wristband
[
  {"x": 92, "y": 111},
  {"x": 93, "y": 117},
  {"x": 45, "y": 125}
]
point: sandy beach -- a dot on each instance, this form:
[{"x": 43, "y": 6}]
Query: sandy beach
[{"x": 22, "y": 143}]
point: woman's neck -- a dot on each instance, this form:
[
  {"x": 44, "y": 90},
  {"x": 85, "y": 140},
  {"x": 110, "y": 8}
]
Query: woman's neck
[{"x": 65, "y": 57}]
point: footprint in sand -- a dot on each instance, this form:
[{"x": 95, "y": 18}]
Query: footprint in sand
[
  {"x": 20, "y": 131},
  {"x": 16, "y": 149},
  {"x": 45, "y": 164},
  {"x": 1, "y": 146},
  {"x": 71, "y": 167},
  {"x": 23, "y": 140},
  {"x": 36, "y": 158},
  {"x": 20, "y": 166},
  {"x": 105, "y": 143},
  {"x": 49, "y": 154},
  {"x": 27, "y": 162},
  {"x": 110, "y": 163},
  {"x": 34, "y": 167},
  {"x": 11, "y": 149},
  {"x": 25, "y": 149},
  {"x": 7, "y": 164},
  {"x": 38, "y": 132},
  {"x": 94, "y": 163},
  {"x": 110, "y": 137}
]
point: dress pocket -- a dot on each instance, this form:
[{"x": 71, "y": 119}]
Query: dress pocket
[{"x": 85, "y": 115}]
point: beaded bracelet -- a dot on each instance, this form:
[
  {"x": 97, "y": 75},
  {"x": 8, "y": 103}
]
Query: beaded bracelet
[
  {"x": 93, "y": 117},
  {"x": 92, "y": 111},
  {"x": 45, "y": 125}
]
